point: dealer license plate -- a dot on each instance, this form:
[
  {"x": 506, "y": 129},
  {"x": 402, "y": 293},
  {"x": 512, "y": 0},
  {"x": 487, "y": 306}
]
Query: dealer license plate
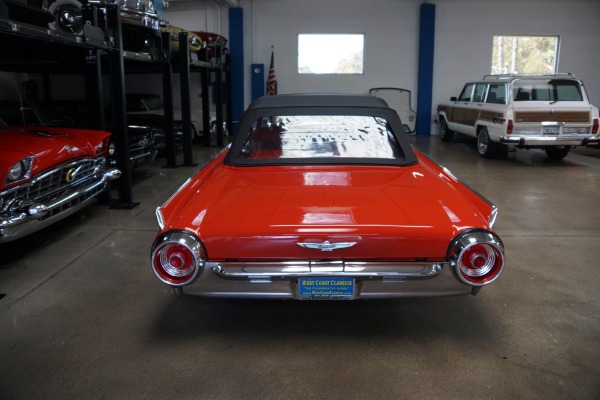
[
  {"x": 550, "y": 130},
  {"x": 329, "y": 288}
]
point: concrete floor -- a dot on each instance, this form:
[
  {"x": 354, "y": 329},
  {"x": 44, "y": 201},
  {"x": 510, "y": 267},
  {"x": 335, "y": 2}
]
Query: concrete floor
[{"x": 83, "y": 317}]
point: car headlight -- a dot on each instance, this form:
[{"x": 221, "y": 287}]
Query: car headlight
[
  {"x": 111, "y": 149},
  {"x": 100, "y": 147},
  {"x": 21, "y": 170}
]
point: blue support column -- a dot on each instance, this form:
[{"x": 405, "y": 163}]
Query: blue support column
[
  {"x": 159, "y": 7},
  {"x": 425, "y": 82},
  {"x": 236, "y": 52}
]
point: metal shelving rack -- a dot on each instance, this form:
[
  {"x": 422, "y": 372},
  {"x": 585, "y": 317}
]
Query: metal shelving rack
[{"x": 35, "y": 49}]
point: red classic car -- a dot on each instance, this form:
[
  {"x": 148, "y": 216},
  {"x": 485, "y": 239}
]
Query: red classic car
[
  {"x": 323, "y": 197},
  {"x": 47, "y": 174},
  {"x": 212, "y": 41}
]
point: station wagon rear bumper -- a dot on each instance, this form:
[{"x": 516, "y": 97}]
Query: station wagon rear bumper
[
  {"x": 549, "y": 140},
  {"x": 372, "y": 279}
]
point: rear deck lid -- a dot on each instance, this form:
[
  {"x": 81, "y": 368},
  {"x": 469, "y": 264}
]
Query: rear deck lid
[{"x": 270, "y": 212}]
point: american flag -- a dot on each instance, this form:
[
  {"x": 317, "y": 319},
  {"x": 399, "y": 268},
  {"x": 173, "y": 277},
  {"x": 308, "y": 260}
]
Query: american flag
[{"x": 271, "y": 81}]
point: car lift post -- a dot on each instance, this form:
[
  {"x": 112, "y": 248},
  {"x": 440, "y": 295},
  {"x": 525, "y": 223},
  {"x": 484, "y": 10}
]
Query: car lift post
[
  {"x": 120, "y": 133},
  {"x": 167, "y": 74},
  {"x": 186, "y": 114}
]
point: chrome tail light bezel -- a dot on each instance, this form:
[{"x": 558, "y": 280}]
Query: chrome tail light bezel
[
  {"x": 477, "y": 241},
  {"x": 191, "y": 254}
]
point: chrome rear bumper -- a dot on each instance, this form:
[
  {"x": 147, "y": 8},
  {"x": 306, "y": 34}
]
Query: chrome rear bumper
[
  {"x": 549, "y": 140},
  {"x": 280, "y": 280}
]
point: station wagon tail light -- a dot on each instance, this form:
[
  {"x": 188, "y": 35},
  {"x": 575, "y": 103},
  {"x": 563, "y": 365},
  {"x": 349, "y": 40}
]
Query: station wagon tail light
[
  {"x": 177, "y": 258},
  {"x": 595, "y": 126},
  {"x": 477, "y": 257},
  {"x": 509, "y": 127}
]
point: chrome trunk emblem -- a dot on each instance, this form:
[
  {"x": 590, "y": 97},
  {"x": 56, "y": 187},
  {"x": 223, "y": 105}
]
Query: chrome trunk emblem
[{"x": 326, "y": 245}]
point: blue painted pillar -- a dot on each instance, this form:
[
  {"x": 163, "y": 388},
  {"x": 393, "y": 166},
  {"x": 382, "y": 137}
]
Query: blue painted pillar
[
  {"x": 236, "y": 52},
  {"x": 426, "y": 55},
  {"x": 159, "y": 7}
]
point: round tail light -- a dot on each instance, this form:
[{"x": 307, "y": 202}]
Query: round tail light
[
  {"x": 177, "y": 258},
  {"x": 477, "y": 257}
]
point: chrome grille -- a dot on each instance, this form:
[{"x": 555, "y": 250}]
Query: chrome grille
[
  {"x": 140, "y": 5},
  {"x": 54, "y": 182},
  {"x": 74, "y": 202},
  {"x": 146, "y": 6}
]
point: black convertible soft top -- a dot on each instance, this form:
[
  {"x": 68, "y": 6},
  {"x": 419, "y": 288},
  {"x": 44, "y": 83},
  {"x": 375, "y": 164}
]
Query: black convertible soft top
[
  {"x": 318, "y": 100},
  {"x": 323, "y": 105}
]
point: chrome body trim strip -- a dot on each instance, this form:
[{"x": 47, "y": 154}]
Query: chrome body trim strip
[{"x": 298, "y": 269}]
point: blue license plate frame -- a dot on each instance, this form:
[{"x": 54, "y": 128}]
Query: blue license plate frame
[{"x": 326, "y": 288}]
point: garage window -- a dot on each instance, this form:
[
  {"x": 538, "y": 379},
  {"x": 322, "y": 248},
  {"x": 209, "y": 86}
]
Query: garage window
[
  {"x": 331, "y": 53},
  {"x": 525, "y": 54}
]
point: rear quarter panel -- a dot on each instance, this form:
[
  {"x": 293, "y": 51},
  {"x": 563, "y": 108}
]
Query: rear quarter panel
[
  {"x": 190, "y": 189},
  {"x": 482, "y": 207}
]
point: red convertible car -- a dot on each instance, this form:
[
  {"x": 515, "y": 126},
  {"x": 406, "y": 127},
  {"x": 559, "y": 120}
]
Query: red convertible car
[
  {"x": 47, "y": 174},
  {"x": 323, "y": 197}
]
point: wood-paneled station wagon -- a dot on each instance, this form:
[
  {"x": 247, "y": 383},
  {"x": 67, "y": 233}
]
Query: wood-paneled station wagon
[
  {"x": 550, "y": 112},
  {"x": 323, "y": 197}
]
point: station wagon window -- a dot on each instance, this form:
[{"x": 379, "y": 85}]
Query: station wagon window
[
  {"x": 547, "y": 90},
  {"x": 497, "y": 94},
  {"x": 479, "y": 92},
  {"x": 320, "y": 136},
  {"x": 467, "y": 92}
]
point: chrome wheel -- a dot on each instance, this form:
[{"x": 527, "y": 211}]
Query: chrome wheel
[
  {"x": 485, "y": 147},
  {"x": 483, "y": 142}
]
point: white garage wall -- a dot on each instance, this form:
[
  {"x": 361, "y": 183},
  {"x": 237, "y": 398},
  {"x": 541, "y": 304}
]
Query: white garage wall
[
  {"x": 464, "y": 32},
  {"x": 463, "y": 41},
  {"x": 197, "y": 15},
  {"x": 390, "y": 41},
  {"x": 192, "y": 15}
]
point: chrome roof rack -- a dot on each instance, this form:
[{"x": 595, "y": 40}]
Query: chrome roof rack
[{"x": 530, "y": 76}]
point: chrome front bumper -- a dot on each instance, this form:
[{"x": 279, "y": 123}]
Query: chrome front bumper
[
  {"x": 15, "y": 224},
  {"x": 549, "y": 140},
  {"x": 280, "y": 280},
  {"x": 140, "y": 158}
]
